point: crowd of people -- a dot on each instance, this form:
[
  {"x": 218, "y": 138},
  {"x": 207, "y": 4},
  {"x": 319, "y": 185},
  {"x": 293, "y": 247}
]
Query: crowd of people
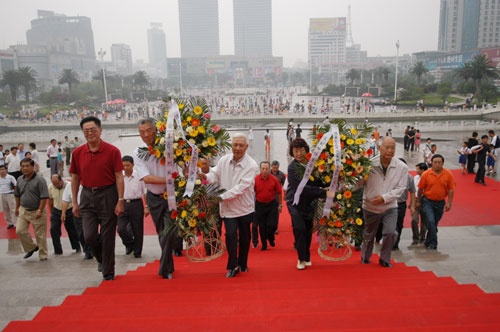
[{"x": 125, "y": 189}]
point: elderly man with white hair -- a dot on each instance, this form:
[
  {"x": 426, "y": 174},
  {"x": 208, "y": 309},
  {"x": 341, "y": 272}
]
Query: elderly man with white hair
[{"x": 236, "y": 173}]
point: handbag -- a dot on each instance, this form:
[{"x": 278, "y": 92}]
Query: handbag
[{"x": 48, "y": 163}]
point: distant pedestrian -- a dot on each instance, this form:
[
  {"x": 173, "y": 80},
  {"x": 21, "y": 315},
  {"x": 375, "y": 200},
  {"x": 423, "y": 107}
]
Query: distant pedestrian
[
  {"x": 7, "y": 186},
  {"x": 267, "y": 145},
  {"x": 418, "y": 234},
  {"x": 462, "y": 156},
  {"x": 418, "y": 136},
  {"x": 491, "y": 160},
  {"x": 298, "y": 131},
  {"x": 495, "y": 141},
  {"x": 481, "y": 154},
  {"x": 471, "y": 158},
  {"x": 52, "y": 152}
]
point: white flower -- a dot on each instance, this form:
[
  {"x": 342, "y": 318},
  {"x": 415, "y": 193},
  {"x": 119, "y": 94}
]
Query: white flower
[{"x": 162, "y": 140}]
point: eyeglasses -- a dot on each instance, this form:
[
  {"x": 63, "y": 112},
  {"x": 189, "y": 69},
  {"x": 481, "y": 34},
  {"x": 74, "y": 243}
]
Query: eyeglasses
[{"x": 90, "y": 130}]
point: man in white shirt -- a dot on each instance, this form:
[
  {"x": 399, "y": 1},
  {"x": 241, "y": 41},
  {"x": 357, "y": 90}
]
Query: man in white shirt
[
  {"x": 418, "y": 235},
  {"x": 13, "y": 163},
  {"x": 34, "y": 153},
  {"x": 236, "y": 174},
  {"x": 52, "y": 151},
  {"x": 2, "y": 155},
  {"x": 7, "y": 186},
  {"x": 387, "y": 180},
  {"x": 131, "y": 222},
  {"x": 495, "y": 141}
]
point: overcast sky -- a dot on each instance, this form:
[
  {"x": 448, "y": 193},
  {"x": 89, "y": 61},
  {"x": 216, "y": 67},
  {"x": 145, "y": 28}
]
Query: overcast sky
[{"x": 376, "y": 24}]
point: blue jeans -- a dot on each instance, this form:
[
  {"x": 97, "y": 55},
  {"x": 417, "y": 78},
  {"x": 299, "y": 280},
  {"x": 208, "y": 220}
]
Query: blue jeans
[{"x": 433, "y": 211}]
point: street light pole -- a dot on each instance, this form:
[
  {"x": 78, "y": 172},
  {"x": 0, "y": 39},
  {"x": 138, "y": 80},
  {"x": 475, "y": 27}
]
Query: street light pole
[
  {"x": 101, "y": 54},
  {"x": 396, "y": 79}
]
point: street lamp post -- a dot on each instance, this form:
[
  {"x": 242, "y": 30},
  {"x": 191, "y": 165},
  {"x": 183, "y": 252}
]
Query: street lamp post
[
  {"x": 101, "y": 54},
  {"x": 396, "y": 79}
]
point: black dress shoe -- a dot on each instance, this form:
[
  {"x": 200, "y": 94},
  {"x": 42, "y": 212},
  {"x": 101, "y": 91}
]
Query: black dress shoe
[
  {"x": 365, "y": 261},
  {"x": 272, "y": 244},
  {"x": 231, "y": 273},
  {"x": 263, "y": 248},
  {"x": 78, "y": 250},
  {"x": 244, "y": 269},
  {"x": 58, "y": 253},
  {"x": 178, "y": 253},
  {"x": 384, "y": 263},
  {"x": 168, "y": 276},
  {"x": 255, "y": 245},
  {"x": 128, "y": 251},
  {"x": 108, "y": 277},
  {"x": 10, "y": 226},
  {"x": 137, "y": 255},
  {"x": 29, "y": 254},
  {"x": 88, "y": 255},
  {"x": 99, "y": 267}
]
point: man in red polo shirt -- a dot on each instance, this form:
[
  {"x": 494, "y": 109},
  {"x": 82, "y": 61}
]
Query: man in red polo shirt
[
  {"x": 98, "y": 167},
  {"x": 267, "y": 207}
]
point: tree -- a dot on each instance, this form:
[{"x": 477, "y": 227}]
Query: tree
[
  {"x": 68, "y": 76},
  {"x": 482, "y": 71},
  {"x": 99, "y": 76},
  {"x": 28, "y": 80},
  {"x": 419, "y": 69},
  {"x": 444, "y": 90},
  {"x": 12, "y": 78},
  {"x": 141, "y": 80},
  {"x": 464, "y": 73},
  {"x": 383, "y": 72},
  {"x": 353, "y": 75}
]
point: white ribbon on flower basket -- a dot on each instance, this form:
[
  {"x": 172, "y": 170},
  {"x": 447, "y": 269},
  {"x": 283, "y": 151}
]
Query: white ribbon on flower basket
[
  {"x": 337, "y": 154},
  {"x": 174, "y": 115},
  {"x": 314, "y": 156}
]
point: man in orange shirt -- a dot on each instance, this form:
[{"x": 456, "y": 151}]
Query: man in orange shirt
[{"x": 435, "y": 184}]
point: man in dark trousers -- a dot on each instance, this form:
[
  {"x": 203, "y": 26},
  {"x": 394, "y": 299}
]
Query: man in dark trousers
[
  {"x": 411, "y": 139},
  {"x": 152, "y": 172},
  {"x": 275, "y": 170},
  {"x": 471, "y": 158},
  {"x": 98, "y": 167},
  {"x": 267, "y": 208},
  {"x": 481, "y": 159}
]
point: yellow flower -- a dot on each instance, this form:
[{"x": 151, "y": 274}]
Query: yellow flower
[
  {"x": 311, "y": 178},
  {"x": 194, "y": 133},
  {"x": 204, "y": 144},
  {"x": 178, "y": 152},
  {"x": 315, "y": 141},
  {"x": 201, "y": 129},
  {"x": 350, "y": 141},
  {"x": 327, "y": 179},
  {"x": 184, "y": 214},
  {"x": 192, "y": 222},
  {"x": 182, "y": 183},
  {"x": 339, "y": 197},
  {"x": 181, "y": 106},
  {"x": 159, "y": 124},
  {"x": 363, "y": 140},
  {"x": 184, "y": 123},
  {"x": 181, "y": 164},
  {"x": 321, "y": 162},
  {"x": 365, "y": 177},
  {"x": 342, "y": 137},
  {"x": 157, "y": 140},
  {"x": 359, "y": 221},
  {"x": 197, "y": 181},
  {"x": 158, "y": 153},
  {"x": 211, "y": 141},
  {"x": 341, "y": 213},
  {"x": 197, "y": 110},
  {"x": 331, "y": 150},
  {"x": 192, "y": 141},
  {"x": 187, "y": 158},
  {"x": 166, "y": 114},
  {"x": 330, "y": 142},
  {"x": 358, "y": 141},
  {"x": 354, "y": 131},
  {"x": 195, "y": 213}
]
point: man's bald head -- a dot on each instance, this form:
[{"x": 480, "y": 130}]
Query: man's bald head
[{"x": 387, "y": 149}]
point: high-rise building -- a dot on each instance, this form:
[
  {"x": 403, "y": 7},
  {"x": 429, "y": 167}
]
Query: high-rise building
[
  {"x": 69, "y": 41},
  {"x": 327, "y": 44},
  {"x": 121, "y": 56},
  {"x": 468, "y": 24},
  {"x": 199, "y": 28},
  {"x": 253, "y": 27},
  {"x": 157, "y": 48}
]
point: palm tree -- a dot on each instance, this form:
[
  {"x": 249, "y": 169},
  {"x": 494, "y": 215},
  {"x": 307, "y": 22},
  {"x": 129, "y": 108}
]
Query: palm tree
[
  {"x": 28, "y": 80},
  {"x": 464, "y": 72},
  {"x": 12, "y": 78},
  {"x": 68, "y": 76},
  {"x": 353, "y": 75},
  {"x": 99, "y": 77},
  {"x": 141, "y": 80},
  {"x": 482, "y": 70},
  {"x": 419, "y": 69},
  {"x": 383, "y": 72}
]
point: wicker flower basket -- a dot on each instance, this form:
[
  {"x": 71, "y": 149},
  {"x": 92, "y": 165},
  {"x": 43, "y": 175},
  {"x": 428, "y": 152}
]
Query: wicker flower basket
[
  {"x": 206, "y": 247},
  {"x": 333, "y": 247}
]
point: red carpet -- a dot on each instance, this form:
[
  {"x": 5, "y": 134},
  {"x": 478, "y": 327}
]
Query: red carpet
[{"x": 275, "y": 296}]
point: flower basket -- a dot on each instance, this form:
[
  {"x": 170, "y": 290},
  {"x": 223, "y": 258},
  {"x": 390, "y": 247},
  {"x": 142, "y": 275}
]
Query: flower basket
[
  {"x": 334, "y": 247},
  {"x": 206, "y": 247}
]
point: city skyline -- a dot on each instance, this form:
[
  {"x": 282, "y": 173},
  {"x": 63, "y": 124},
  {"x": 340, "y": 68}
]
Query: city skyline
[{"x": 373, "y": 24}]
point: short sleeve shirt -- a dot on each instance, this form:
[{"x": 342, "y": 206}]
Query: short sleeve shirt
[
  {"x": 7, "y": 184},
  {"x": 31, "y": 191},
  {"x": 436, "y": 187},
  {"x": 266, "y": 190},
  {"x": 96, "y": 169}
]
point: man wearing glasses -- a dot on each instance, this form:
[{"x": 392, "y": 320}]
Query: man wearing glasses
[{"x": 98, "y": 167}]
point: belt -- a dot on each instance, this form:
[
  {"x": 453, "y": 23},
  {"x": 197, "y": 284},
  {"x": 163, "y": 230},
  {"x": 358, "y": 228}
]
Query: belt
[
  {"x": 133, "y": 200},
  {"x": 96, "y": 189},
  {"x": 157, "y": 195},
  {"x": 7, "y": 193},
  {"x": 53, "y": 157}
]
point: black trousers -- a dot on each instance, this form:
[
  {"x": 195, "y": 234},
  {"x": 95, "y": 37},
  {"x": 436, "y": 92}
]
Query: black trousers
[
  {"x": 131, "y": 225},
  {"x": 401, "y": 218},
  {"x": 158, "y": 207},
  {"x": 238, "y": 240},
  {"x": 97, "y": 210},
  {"x": 255, "y": 232},
  {"x": 480, "y": 171},
  {"x": 265, "y": 215},
  {"x": 405, "y": 141},
  {"x": 81, "y": 238},
  {"x": 411, "y": 144},
  {"x": 471, "y": 161},
  {"x": 55, "y": 230},
  {"x": 68, "y": 156},
  {"x": 302, "y": 225}
]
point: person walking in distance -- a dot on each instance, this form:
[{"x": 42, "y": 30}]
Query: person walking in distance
[
  {"x": 275, "y": 170},
  {"x": 31, "y": 195},
  {"x": 481, "y": 154},
  {"x": 98, "y": 166},
  {"x": 267, "y": 143},
  {"x": 471, "y": 158},
  {"x": 52, "y": 152},
  {"x": 418, "y": 234},
  {"x": 495, "y": 141}
]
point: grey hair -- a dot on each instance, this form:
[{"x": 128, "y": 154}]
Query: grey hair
[
  {"x": 150, "y": 121},
  {"x": 241, "y": 135}
]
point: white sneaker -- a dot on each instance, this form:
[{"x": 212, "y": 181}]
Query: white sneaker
[
  {"x": 308, "y": 263},
  {"x": 301, "y": 265}
]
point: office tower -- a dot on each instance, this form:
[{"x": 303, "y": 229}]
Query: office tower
[{"x": 253, "y": 27}]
